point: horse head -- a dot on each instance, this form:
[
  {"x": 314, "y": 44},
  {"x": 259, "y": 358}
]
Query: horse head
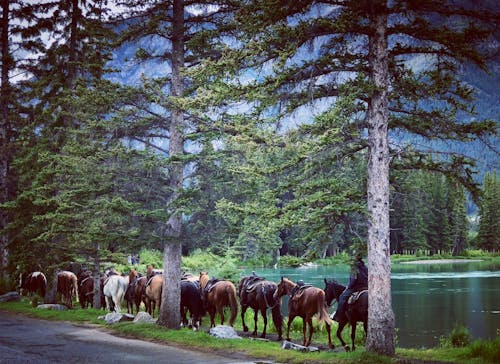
[
  {"x": 333, "y": 290},
  {"x": 203, "y": 280},
  {"x": 284, "y": 288}
]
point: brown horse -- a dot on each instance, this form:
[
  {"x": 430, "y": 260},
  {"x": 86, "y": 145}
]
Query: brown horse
[
  {"x": 257, "y": 293},
  {"x": 357, "y": 311},
  {"x": 136, "y": 293},
  {"x": 217, "y": 294},
  {"x": 153, "y": 293},
  {"x": 67, "y": 287},
  {"x": 305, "y": 301},
  {"x": 85, "y": 288}
]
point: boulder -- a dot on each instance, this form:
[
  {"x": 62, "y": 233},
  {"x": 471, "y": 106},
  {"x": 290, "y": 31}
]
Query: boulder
[
  {"x": 10, "y": 296},
  {"x": 113, "y": 317},
  {"x": 224, "y": 332},
  {"x": 53, "y": 306},
  {"x": 288, "y": 345},
  {"x": 144, "y": 317}
]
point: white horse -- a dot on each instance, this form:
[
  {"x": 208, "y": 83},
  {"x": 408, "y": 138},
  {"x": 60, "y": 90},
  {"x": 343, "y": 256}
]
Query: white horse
[{"x": 114, "y": 289}]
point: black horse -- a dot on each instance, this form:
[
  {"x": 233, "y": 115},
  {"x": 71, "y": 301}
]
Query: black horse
[
  {"x": 355, "y": 312},
  {"x": 191, "y": 301},
  {"x": 257, "y": 293}
]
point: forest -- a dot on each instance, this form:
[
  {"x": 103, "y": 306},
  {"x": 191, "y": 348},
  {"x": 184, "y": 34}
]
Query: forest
[{"x": 250, "y": 129}]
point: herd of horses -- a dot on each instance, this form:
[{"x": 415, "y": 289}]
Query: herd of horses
[{"x": 202, "y": 294}]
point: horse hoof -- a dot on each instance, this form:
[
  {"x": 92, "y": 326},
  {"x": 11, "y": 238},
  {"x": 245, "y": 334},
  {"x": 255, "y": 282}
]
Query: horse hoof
[
  {"x": 245, "y": 329},
  {"x": 347, "y": 348}
]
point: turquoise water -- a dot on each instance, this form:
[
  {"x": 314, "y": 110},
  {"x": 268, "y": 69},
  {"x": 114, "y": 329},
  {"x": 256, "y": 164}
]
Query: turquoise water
[{"x": 428, "y": 300}]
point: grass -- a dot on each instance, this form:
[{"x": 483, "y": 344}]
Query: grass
[{"x": 480, "y": 351}]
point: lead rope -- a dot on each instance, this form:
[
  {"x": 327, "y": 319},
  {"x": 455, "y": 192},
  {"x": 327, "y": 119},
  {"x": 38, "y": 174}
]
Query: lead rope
[{"x": 265, "y": 299}]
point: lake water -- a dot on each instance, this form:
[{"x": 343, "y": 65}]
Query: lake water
[{"x": 428, "y": 300}]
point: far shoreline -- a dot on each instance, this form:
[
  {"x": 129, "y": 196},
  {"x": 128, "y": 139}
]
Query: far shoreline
[{"x": 441, "y": 261}]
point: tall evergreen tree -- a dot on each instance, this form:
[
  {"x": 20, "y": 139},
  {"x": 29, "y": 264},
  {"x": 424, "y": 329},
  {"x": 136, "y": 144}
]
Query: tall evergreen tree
[
  {"x": 489, "y": 214},
  {"x": 177, "y": 34},
  {"x": 309, "y": 53}
]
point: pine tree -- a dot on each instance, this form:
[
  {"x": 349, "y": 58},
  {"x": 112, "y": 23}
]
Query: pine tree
[
  {"x": 307, "y": 53},
  {"x": 489, "y": 214},
  {"x": 185, "y": 35}
]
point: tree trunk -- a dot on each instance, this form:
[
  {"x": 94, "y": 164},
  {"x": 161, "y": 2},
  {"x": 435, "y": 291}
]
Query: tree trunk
[
  {"x": 169, "y": 314},
  {"x": 380, "y": 337},
  {"x": 4, "y": 133},
  {"x": 96, "y": 274}
]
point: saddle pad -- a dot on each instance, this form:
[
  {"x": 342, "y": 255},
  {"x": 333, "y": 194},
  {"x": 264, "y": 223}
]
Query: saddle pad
[{"x": 355, "y": 296}]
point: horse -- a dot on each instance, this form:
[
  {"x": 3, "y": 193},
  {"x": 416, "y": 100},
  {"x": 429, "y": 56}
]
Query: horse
[
  {"x": 133, "y": 276},
  {"x": 154, "y": 287},
  {"x": 114, "y": 290},
  {"x": 135, "y": 293},
  {"x": 34, "y": 282},
  {"x": 305, "y": 301},
  {"x": 191, "y": 301},
  {"x": 217, "y": 294},
  {"x": 67, "y": 287},
  {"x": 257, "y": 293},
  {"x": 85, "y": 288},
  {"x": 355, "y": 312}
]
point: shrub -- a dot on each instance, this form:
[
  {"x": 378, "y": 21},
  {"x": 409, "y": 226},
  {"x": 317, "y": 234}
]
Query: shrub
[
  {"x": 459, "y": 337},
  {"x": 290, "y": 261}
]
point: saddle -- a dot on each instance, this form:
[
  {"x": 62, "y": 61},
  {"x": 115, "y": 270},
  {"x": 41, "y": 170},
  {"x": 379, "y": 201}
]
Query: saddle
[
  {"x": 355, "y": 296},
  {"x": 251, "y": 282},
  {"x": 298, "y": 290},
  {"x": 210, "y": 284}
]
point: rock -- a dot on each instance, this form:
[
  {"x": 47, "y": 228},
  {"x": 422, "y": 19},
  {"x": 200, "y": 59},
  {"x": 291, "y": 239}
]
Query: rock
[
  {"x": 224, "y": 332},
  {"x": 144, "y": 317},
  {"x": 114, "y": 317},
  {"x": 288, "y": 345},
  {"x": 53, "y": 306},
  {"x": 10, "y": 296}
]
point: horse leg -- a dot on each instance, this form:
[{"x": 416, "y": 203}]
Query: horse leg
[
  {"x": 243, "y": 311},
  {"x": 342, "y": 324},
  {"x": 353, "y": 334},
  {"x": 328, "y": 330},
  {"x": 263, "y": 312},
  {"x": 310, "y": 323},
  {"x": 290, "y": 320},
  {"x": 107, "y": 303},
  {"x": 220, "y": 311},
  {"x": 255, "y": 318}
]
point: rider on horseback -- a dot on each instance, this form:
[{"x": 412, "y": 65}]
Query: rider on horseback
[{"x": 358, "y": 281}]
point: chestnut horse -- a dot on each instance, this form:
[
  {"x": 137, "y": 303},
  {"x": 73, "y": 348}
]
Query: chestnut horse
[
  {"x": 154, "y": 287},
  {"x": 357, "y": 311},
  {"x": 257, "y": 293},
  {"x": 67, "y": 287},
  {"x": 217, "y": 294},
  {"x": 305, "y": 301},
  {"x": 136, "y": 293}
]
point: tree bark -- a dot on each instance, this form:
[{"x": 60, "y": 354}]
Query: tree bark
[
  {"x": 169, "y": 314},
  {"x": 4, "y": 133},
  {"x": 96, "y": 276},
  {"x": 380, "y": 337}
]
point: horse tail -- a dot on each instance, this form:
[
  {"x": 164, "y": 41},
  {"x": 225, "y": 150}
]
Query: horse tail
[
  {"x": 276, "y": 311},
  {"x": 322, "y": 311},
  {"x": 233, "y": 303},
  {"x": 74, "y": 281}
]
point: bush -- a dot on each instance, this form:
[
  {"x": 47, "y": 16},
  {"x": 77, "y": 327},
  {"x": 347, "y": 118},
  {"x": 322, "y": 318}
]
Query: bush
[
  {"x": 459, "y": 337},
  {"x": 290, "y": 261},
  {"x": 487, "y": 350},
  {"x": 36, "y": 300}
]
